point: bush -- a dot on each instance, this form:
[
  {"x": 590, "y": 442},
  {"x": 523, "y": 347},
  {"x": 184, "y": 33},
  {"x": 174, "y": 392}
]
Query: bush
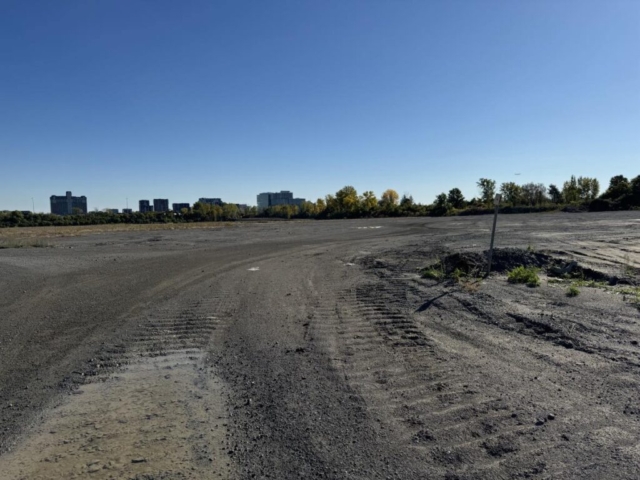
[
  {"x": 573, "y": 291},
  {"x": 528, "y": 275}
]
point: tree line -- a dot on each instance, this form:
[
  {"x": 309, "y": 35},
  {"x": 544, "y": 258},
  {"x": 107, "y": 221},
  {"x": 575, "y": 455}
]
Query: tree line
[{"x": 581, "y": 193}]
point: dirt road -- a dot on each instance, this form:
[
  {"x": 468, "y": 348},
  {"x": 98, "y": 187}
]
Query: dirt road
[{"x": 317, "y": 350}]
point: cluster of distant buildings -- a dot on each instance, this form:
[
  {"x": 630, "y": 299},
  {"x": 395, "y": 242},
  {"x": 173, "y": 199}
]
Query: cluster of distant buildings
[
  {"x": 69, "y": 205},
  {"x": 271, "y": 199},
  {"x": 162, "y": 205}
]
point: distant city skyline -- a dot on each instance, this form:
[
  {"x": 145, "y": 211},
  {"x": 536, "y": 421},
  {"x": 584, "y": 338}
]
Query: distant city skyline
[{"x": 159, "y": 100}]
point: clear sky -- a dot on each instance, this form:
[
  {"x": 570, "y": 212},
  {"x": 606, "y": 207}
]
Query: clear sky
[{"x": 183, "y": 99}]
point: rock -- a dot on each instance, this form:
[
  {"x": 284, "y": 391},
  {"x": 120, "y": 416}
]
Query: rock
[
  {"x": 138, "y": 460},
  {"x": 94, "y": 468},
  {"x": 540, "y": 421},
  {"x": 551, "y": 416},
  {"x": 634, "y": 342}
]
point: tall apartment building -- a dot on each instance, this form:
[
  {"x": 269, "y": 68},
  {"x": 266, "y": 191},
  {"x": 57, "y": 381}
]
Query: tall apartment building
[
  {"x": 144, "y": 206},
  {"x": 211, "y": 201},
  {"x": 127, "y": 210},
  {"x": 160, "y": 204},
  {"x": 284, "y": 197},
  {"x": 177, "y": 207},
  {"x": 68, "y": 204}
]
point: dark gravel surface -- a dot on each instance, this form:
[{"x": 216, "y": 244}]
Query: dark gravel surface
[{"x": 338, "y": 360}]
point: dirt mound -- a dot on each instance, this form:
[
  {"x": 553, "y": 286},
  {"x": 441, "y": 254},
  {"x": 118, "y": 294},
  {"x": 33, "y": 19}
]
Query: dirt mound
[
  {"x": 506, "y": 259},
  {"x": 472, "y": 263}
]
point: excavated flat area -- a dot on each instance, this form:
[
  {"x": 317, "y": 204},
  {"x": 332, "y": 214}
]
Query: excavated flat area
[{"x": 318, "y": 350}]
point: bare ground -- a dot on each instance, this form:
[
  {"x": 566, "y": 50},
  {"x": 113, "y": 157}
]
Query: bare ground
[{"x": 317, "y": 350}]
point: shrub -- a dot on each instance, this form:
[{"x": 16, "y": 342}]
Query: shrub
[
  {"x": 528, "y": 275},
  {"x": 573, "y": 291}
]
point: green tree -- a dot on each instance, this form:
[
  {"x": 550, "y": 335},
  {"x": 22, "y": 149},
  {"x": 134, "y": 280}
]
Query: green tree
[
  {"x": 230, "y": 211},
  {"x": 534, "y": 193},
  {"x": 406, "y": 201},
  {"x": 455, "y": 198},
  {"x": 331, "y": 204},
  {"x": 347, "y": 200},
  {"x": 307, "y": 210},
  {"x": 570, "y": 190},
  {"x": 487, "y": 190},
  {"x": 368, "y": 201},
  {"x": 441, "y": 205},
  {"x": 216, "y": 212},
  {"x": 619, "y": 187},
  {"x": 635, "y": 191},
  {"x": 588, "y": 188},
  {"x": 511, "y": 193},
  {"x": 555, "y": 194}
]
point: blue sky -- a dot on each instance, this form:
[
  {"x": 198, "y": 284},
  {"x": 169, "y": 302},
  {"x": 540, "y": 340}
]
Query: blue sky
[{"x": 167, "y": 99}]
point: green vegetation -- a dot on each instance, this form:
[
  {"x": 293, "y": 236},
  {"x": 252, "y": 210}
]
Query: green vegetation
[
  {"x": 24, "y": 243},
  {"x": 573, "y": 291},
  {"x": 627, "y": 266},
  {"x": 435, "y": 272},
  {"x": 458, "y": 275},
  {"x": 528, "y": 275},
  {"x": 577, "y": 193}
]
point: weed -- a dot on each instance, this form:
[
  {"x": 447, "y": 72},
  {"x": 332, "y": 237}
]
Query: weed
[
  {"x": 573, "y": 291},
  {"x": 627, "y": 266},
  {"x": 528, "y": 275},
  {"x": 432, "y": 273},
  {"x": 436, "y": 271},
  {"x": 457, "y": 274}
]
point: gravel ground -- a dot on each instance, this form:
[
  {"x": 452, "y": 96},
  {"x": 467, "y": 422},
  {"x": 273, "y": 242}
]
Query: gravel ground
[{"x": 317, "y": 350}]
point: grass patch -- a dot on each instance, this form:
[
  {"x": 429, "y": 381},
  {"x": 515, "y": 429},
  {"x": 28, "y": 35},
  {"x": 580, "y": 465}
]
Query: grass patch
[
  {"x": 573, "y": 291},
  {"x": 433, "y": 273},
  {"x": 24, "y": 243},
  {"x": 591, "y": 283},
  {"x": 527, "y": 275}
]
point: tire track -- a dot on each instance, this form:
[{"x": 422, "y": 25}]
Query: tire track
[
  {"x": 148, "y": 405},
  {"x": 436, "y": 380}
]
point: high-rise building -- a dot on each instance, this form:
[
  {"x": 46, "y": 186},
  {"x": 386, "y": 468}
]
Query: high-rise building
[
  {"x": 127, "y": 210},
  {"x": 177, "y": 207},
  {"x": 270, "y": 199},
  {"x": 68, "y": 204},
  {"x": 160, "y": 204},
  {"x": 263, "y": 201},
  {"x": 144, "y": 206},
  {"x": 210, "y": 201}
]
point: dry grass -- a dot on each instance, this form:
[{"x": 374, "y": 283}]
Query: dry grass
[
  {"x": 8, "y": 235},
  {"x": 23, "y": 243}
]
